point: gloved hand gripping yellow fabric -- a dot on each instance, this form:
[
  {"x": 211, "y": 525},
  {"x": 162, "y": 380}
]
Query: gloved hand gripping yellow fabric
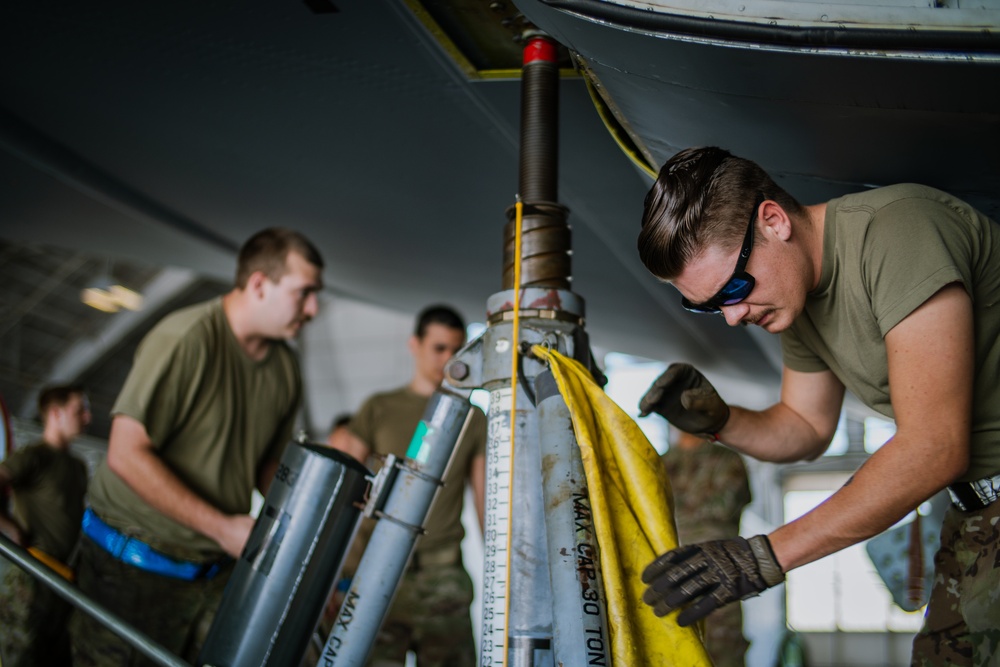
[{"x": 631, "y": 500}]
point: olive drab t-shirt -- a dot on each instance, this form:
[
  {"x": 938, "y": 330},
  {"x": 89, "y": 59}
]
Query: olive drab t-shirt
[
  {"x": 886, "y": 252},
  {"x": 213, "y": 415},
  {"x": 49, "y": 486},
  {"x": 386, "y": 423}
]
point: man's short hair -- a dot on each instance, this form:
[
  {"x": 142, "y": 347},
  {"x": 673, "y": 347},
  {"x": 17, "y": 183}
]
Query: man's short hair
[
  {"x": 343, "y": 419},
  {"x": 57, "y": 396},
  {"x": 438, "y": 314},
  {"x": 267, "y": 251},
  {"x": 702, "y": 197}
]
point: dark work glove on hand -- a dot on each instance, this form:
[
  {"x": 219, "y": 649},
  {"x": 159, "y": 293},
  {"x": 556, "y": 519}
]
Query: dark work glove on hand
[
  {"x": 703, "y": 577},
  {"x": 687, "y": 400}
]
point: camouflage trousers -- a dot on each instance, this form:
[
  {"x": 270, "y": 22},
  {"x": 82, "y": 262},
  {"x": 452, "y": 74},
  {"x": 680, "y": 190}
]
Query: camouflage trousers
[
  {"x": 962, "y": 622},
  {"x": 32, "y": 622},
  {"x": 724, "y": 640},
  {"x": 429, "y": 616},
  {"x": 174, "y": 613}
]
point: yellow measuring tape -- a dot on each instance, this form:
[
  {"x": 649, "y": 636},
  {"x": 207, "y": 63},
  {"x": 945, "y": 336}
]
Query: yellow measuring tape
[{"x": 518, "y": 216}]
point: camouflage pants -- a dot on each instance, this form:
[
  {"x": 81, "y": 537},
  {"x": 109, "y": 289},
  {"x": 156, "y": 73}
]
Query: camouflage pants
[
  {"x": 429, "y": 616},
  {"x": 962, "y": 622},
  {"x": 724, "y": 638},
  {"x": 174, "y": 613},
  {"x": 32, "y": 622}
]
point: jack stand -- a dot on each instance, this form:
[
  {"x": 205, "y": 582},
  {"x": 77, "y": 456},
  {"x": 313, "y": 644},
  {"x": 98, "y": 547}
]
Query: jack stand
[{"x": 543, "y": 598}]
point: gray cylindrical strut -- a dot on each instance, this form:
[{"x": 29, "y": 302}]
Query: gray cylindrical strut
[
  {"x": 284, "y": 576},
  {"x": 400, "y": 523},
  {"x": 579, "y": 609},
  {"x": 529, "y": 607}
]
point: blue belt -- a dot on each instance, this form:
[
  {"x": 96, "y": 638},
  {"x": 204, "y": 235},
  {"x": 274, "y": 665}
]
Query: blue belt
[{"x": 139, "y": 554}]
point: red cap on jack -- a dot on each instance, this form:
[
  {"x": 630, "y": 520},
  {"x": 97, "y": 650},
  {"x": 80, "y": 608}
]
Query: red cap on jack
[{"x": 540, "y": 48}]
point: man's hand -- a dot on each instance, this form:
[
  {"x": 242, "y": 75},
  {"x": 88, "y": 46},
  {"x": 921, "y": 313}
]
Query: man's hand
[
  {"x": 703, "y": 577},
  {"x": 687, "y": 400},
  {"x": 235, "y": 533},
  {"x": 12, "y": 531}
]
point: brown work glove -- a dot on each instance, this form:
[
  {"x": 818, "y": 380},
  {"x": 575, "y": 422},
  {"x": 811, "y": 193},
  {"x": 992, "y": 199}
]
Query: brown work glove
[
  {"x": 703, "y": 577},
  {"x": 687, "y": 400}
]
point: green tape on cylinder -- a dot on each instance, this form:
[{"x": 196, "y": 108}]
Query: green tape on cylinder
[{"x": 418, "y": 449}]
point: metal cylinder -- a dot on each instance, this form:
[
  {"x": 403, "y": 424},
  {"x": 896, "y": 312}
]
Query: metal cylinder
[
  {"x": 579, "y": 609},
  {"x": 529, "y": 622},
  {"x": 284, "y": 576}
]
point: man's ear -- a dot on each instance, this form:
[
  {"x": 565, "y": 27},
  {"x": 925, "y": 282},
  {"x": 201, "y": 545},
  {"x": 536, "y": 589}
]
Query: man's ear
[
  {"x": 255, "y": 284},
  {"x": 54, "y": 412},
  {"x": 776, "y": 220},
  {"x": 413, "y": 344}
]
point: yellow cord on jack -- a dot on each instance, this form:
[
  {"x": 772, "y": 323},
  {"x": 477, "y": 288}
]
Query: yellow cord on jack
[{"x": 519, "y": 213}]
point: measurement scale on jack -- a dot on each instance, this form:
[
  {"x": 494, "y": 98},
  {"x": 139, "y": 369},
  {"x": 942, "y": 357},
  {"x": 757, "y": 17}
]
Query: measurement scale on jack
[{"x": 495, "y": 561}]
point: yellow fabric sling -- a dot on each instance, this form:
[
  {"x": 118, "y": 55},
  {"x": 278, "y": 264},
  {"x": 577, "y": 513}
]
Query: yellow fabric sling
[{"x": 631, "y": 500}]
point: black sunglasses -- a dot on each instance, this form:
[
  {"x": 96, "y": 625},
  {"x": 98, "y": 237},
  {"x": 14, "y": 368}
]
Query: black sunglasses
[{"x": 739, "y": 286}]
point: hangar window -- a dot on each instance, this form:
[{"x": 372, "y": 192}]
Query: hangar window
[
  {"x": 628, "y": 379},
  {"x": 842, "y": 592}
]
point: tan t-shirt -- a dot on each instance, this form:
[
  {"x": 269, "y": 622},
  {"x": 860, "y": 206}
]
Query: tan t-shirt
[
  {"x": 885, "y": 252},
  {"x": 213, "y": 414},
  {"x": 386, "y": 423},
  {"x": 49, "y": 485}
]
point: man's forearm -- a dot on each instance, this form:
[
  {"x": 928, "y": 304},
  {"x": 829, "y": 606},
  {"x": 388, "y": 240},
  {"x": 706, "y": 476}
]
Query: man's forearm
[
  {"x": 896, "y": 479},
  {"x": 930, "y": 358},
  {"x": 798, "y": 427},
  {"x": 11, "y": 529},
  {"x": 131, "y": 456},
  {"x": 776, "y": 434},
  {"x": 155, "y": 483}
]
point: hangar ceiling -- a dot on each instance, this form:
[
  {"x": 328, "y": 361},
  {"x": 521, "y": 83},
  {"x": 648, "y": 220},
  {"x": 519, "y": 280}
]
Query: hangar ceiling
[{"x": 48, "y": 335}]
